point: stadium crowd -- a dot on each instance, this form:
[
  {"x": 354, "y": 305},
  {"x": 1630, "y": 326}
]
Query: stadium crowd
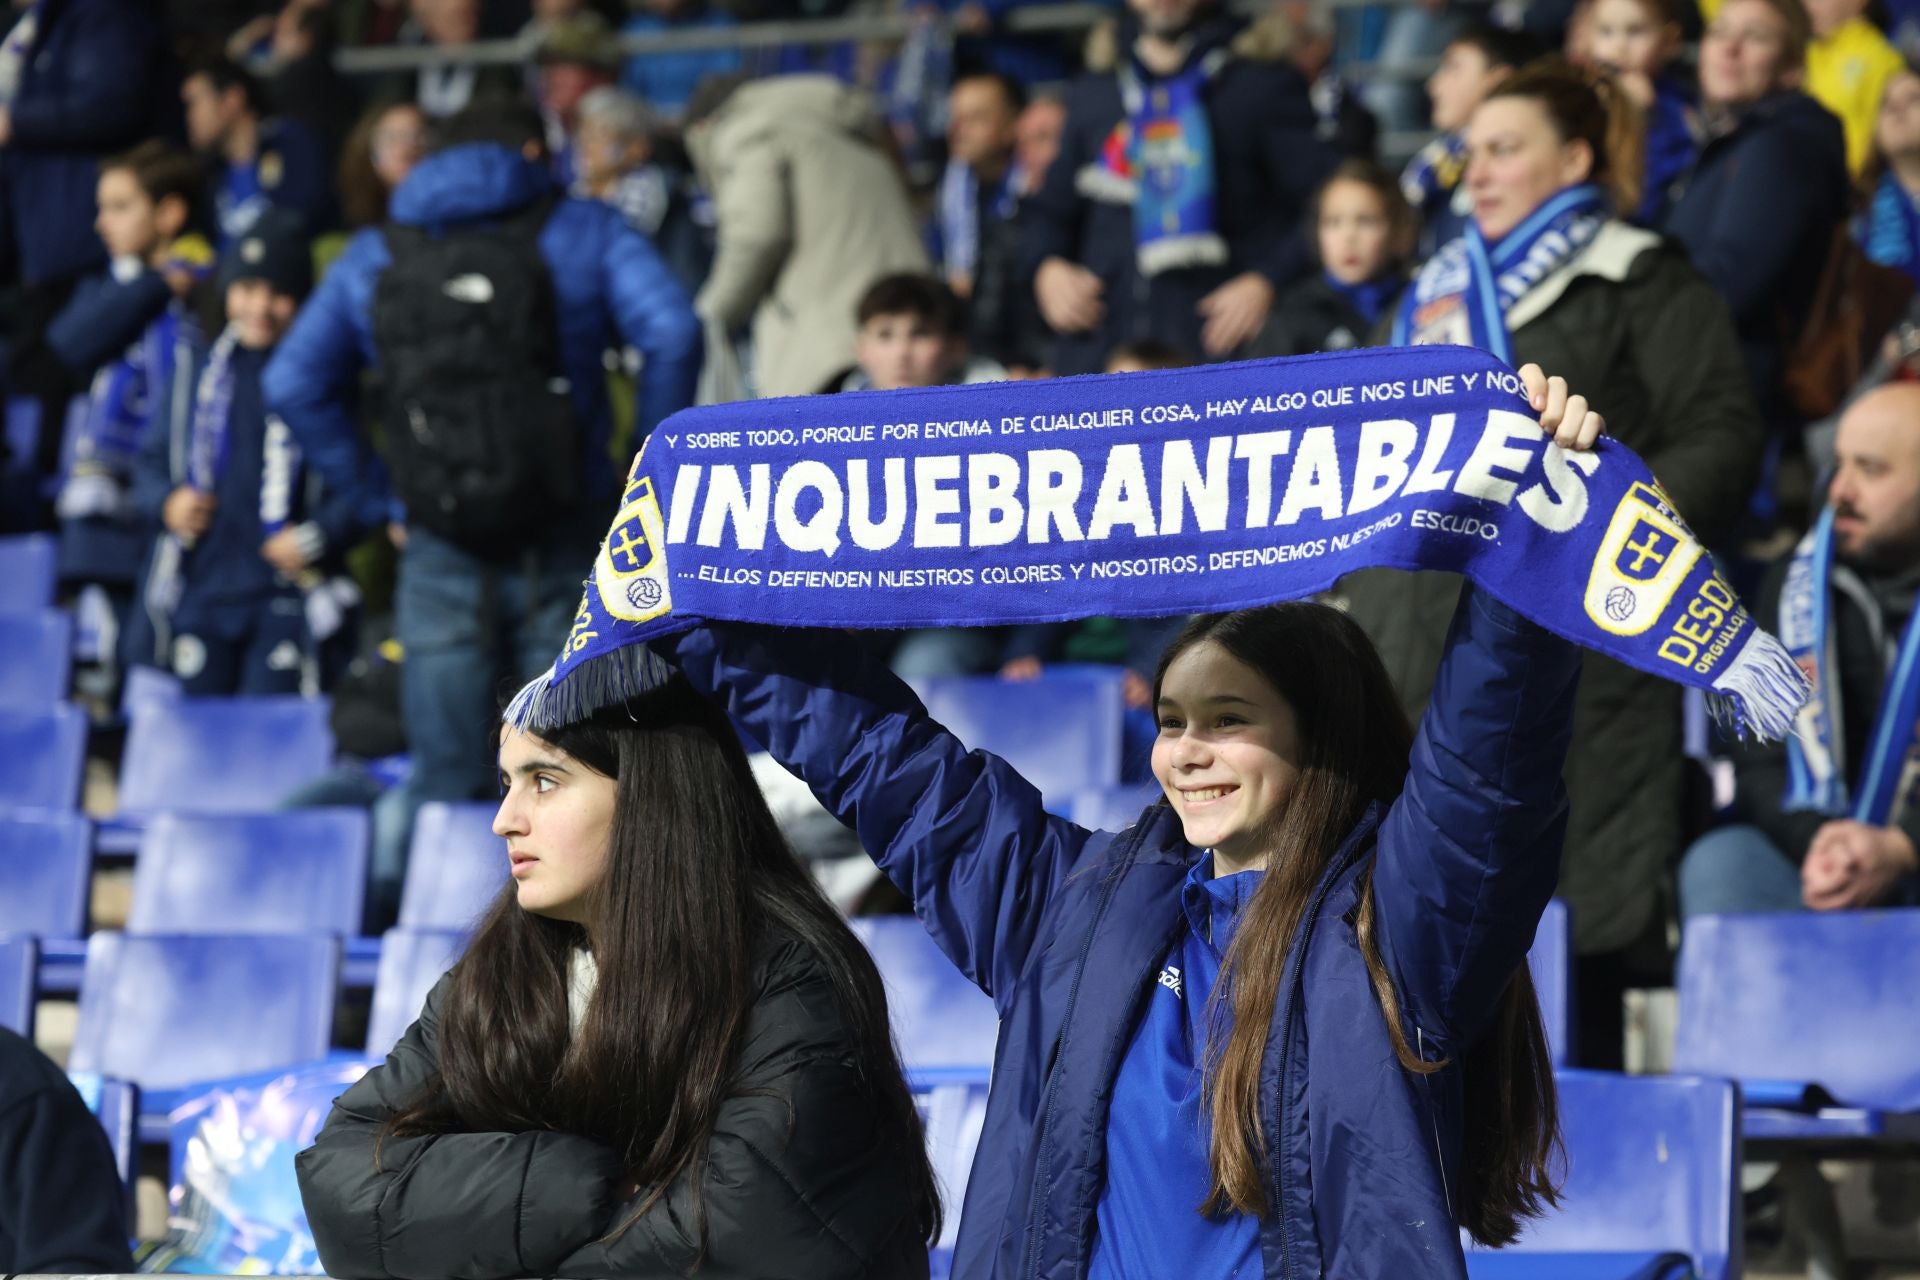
[{"x": 326, "y": 383}]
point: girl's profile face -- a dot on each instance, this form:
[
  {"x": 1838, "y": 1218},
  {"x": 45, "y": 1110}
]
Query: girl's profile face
[
  {"x": 1227, "y": 754},
  {"x": 557, "y": 820},
  {"x": 1354, "y": 230}
]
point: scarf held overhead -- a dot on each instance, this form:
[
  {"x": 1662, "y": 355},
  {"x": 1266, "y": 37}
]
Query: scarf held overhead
[{"x": 1141, "y": 495}]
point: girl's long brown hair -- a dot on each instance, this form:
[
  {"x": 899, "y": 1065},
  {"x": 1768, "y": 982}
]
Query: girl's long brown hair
[
  {"x": 697, "y": 875},
  {"x": 1355, "y": 742}
]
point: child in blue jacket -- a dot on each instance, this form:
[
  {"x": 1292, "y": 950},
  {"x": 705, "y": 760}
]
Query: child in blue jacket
[
  {"x": 238, "y": 570},
  {"x": 1282, "y": 1025}
]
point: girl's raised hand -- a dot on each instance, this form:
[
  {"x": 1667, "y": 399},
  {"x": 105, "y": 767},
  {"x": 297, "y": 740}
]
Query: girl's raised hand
[{"x": 1564, "y": 417}]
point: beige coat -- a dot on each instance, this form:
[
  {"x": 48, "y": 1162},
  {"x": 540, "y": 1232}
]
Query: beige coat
[{"x": 811, "y": 210}]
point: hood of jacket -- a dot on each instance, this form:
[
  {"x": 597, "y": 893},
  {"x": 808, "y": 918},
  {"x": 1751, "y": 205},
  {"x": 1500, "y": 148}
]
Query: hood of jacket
[{"x": 468, "y": 183}]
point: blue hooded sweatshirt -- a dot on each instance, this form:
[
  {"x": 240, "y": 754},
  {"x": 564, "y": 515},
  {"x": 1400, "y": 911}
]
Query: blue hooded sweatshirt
[{"x": 610, "y": 288}]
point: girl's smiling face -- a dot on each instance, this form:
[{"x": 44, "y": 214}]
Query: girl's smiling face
[
  {"x": 557, "y": 820},
  {"x": 1227, "y": 755}
]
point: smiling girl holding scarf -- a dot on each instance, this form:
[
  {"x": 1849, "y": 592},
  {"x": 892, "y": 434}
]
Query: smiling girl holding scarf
[{"x": 1548, "y": 273}]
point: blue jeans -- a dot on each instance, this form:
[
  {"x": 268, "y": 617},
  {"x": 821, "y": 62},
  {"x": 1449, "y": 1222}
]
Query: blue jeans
[
  {"x": 1737, "y": 870},
  {"x": 474, "y": 632}
]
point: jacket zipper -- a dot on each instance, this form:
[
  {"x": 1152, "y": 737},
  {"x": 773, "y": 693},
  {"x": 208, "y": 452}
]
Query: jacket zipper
[
  {"x": 1042, "y": 1162},
  {"x": 1433, "y": 1119},
  {"x": 1290, "y": 985}
]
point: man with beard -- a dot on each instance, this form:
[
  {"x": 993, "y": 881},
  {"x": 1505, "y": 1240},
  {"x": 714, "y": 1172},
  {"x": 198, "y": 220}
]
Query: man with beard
[
  {"x": 1825, "y": 820},
  {"x": 1173, "y": 211}
]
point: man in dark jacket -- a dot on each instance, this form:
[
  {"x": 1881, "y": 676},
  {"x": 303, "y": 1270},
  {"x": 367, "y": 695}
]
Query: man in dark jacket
[
  {"x": 1173, "y": 210},
  {"x": 467, "y": 621},
  {"x": 62, "y": 1205},
  {"x": 1760, "y": 207},
  {"x": 977, "y": 221},
  {"x": 259, "y": 161},
  {"x": 1782, "y": 857}
]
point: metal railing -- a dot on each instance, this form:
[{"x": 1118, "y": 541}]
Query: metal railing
[{"x": 1063, "y": 18}]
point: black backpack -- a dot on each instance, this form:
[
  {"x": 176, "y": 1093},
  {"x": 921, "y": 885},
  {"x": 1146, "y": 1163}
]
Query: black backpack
[{"x": 481, "y": 438}]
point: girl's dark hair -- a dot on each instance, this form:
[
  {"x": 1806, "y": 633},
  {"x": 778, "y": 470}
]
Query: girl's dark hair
[
  {"x": 1355, "y": 741},
  {"x": 363, "y": 192},
  {"x": 1403, "y": 224},
  {"x": 1588, "y": 106},
  {"x": 698, "y": 876}
]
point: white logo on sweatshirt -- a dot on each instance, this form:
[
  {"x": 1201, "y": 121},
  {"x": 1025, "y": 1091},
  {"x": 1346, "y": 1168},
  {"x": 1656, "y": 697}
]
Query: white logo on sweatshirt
[
  {"x": 1170, "y": 979},
  {"x": 472, "y": 287}
]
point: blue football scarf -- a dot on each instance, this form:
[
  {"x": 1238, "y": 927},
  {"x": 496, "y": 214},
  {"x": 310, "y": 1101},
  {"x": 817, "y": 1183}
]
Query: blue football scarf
[
  {"x": 1169, "y": 157},
  {"x": 1431, "y": 176},
  {"x": 1463, "y": 295},
  {"x": 1369, "y": 298},
  {"x": 207, "y": 437},
  {"x": 1816, "y": 765},
  {"x": 1148, "y": 495},
  {"x": 1891, "y": 232},
  {"x": 959, "y": 214}
]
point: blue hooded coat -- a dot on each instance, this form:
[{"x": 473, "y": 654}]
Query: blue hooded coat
[
  {"x": 610, "y": 287},
  {"x": 1066, "y": 929}
]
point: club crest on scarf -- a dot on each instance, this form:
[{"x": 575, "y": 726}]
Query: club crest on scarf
[{"x": 630, "y": 574}]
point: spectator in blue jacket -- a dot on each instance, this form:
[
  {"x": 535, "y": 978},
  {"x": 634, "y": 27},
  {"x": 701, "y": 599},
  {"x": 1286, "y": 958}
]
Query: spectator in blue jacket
[
  {"x": 468, "y": 621},
  {"x": 79, "y": 80},
  {"x": 1173, "y": 211},
  {"x": 247, "y": 532},
  {"x": 62, "y": 1205},
  {"x": 260, "y": 161},
  {"x": 666, "y": 81},
  {"x": 1377, "y": 1078}
]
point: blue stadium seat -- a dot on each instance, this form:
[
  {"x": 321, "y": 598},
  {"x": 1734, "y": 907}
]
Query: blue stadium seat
[
  {"x": 302, "y": 871},
  {"x": 1112, "y": 808},
  {"x": 455, "y": 866},
  {"x": 144, "y": 685},
  {"x": 1551, "y": 959},
  {"x": 946, "y": 1027},
  {"x": 36, "y": 658},
  {"x": 27, "y": 573},
  {"x": 116, "y": 1105},
  {"x": 411, "y": 961},
  {"x": 221, "y": 755},
  {"x": 18, "y": 958},
  {"x": 46, "y": 872},
  {"x": 46, "y": 751},
  {"x": 952, "y": 1115},
  {"x": 166, "y": 1011},
  {"x": 1652, "y": 1187},
  {"x": 1806, "y": 1009},
  {"x": 1062, "y": 734}
]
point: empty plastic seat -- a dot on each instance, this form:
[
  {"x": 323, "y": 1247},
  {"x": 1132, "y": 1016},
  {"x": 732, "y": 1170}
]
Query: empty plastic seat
[
  {"x": 169, "y": 1010},
  {"x": 1783, "y": 1002},
  {"x": 945, "y": 1026},
  {"x": 411, "y": 961},
  {"x": 221, "y": 755},
  {"x": 27, "y": 573},
  {"x": 36, "y": 657},
  {"x": 116, "y": 1105},
  {"x": 1551, "y": 960},
  {"x": 18, "y": 957},
  {"x": 1653, "y": 1165},
  {"x": 46, "y": 871},
  {"x": 45, "y": 749},
  {"x": 302, "y": 871},
  {"x": 1063, "y": 734},
  {"x": 455, "y": 866}
]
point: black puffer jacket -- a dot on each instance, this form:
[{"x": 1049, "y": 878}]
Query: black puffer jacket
[{"x": 796, "y": 1184}]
